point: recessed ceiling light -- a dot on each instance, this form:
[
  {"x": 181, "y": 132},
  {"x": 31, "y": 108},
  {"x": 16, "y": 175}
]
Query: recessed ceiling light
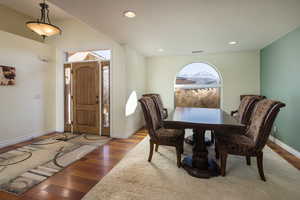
[
  {"x": 160, "y": 50},
  {"x": 233, "y": 42},
  {"x": 129, "y": 14}
]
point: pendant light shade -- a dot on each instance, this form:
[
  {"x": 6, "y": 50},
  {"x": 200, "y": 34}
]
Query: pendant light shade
[
  {"x": 43, "y": 29},
  {"x": 43, "y": 26}
]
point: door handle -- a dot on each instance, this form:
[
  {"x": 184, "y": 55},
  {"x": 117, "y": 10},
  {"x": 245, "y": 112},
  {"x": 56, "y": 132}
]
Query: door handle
[{"x": 97, "y": 99}]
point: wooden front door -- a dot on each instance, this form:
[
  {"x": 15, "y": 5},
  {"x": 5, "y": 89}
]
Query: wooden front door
[{"x": 85, "y": 95}]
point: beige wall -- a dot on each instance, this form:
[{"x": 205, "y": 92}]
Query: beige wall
[
  {"x": 14, "y": 22},
  {"x": 130, "y": 72},
  {"x": 240, "y": 72},
  {"x": 44, "y": 93},
  {"x": 136, "y": 82},
  {"x": 28, "y": 108},
  {"x": 78, "y": 36}
]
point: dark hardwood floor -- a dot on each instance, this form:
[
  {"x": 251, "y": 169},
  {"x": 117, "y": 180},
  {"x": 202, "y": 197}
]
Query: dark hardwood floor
[
  {"x": 293, "y": 160},
  {"x": 77, "y": 179}
]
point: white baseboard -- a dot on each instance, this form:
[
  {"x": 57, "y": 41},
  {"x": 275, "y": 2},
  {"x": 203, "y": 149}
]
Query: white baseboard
[
  {"x": 19, "y": 139},
  {"x": 285, "y": 146}
]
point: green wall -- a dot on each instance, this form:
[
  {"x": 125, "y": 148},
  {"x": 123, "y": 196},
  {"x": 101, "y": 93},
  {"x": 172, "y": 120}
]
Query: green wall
[{"x": 280, "y": 80}]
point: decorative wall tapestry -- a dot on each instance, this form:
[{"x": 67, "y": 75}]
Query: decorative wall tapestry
[{"x": 7, "y": 75}]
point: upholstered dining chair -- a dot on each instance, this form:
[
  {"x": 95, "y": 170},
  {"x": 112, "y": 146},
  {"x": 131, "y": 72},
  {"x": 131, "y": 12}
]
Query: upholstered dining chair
[
  {"x": 163, "y": 112},
  {"x": 256, "y": 95},
  {"x": 243, "y": 113},
  {"x": 251, "y": 142},
  {"x": 158, "y": 134}
]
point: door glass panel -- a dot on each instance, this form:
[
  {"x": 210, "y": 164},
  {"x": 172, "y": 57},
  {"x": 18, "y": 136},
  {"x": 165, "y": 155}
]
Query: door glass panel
[
  {"x": 105, "y": 78},
  {"x": 88, "y": 56},
  {"x": 68, "y": 109}
]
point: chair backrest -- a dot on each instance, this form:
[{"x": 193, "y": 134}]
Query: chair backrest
[
  {"x": 252, "y": 95},
  {"x": 246, "y": 107},
  {"x": 159, "y": 104},
  {"x": 151, "y": 115},
  {"x": 262, "y": 120}
]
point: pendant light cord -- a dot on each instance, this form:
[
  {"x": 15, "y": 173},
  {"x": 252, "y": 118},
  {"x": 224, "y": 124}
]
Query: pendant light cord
[{"x": 48, "y": 15}]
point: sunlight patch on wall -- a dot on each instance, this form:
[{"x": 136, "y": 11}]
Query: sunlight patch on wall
[{"x": 131, "y": 104}]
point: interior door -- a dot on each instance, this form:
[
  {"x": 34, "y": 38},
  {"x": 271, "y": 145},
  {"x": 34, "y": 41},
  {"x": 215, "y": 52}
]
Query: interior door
[{"x": 85, "y": 95}]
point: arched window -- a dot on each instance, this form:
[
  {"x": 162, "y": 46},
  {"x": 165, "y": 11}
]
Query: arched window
[{"x": 198, "y": 85}]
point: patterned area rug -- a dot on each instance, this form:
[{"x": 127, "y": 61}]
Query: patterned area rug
[
  {"x": 27, "y": 166},
  {"x": 134, "y": 178}
]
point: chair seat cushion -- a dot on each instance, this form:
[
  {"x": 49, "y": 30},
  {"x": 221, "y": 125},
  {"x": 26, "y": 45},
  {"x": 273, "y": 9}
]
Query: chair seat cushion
[
  {"x": 170, "y": 135},
  {"x": 236, "y": 144}
]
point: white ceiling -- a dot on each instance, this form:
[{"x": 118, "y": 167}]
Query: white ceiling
[
  {"x": 32, "y": 8},
  {"x": 182, "y": 26}
]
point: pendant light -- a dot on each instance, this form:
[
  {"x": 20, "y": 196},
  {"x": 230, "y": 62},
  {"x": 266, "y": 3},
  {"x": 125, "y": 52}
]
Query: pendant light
[{"x": 43, "y": 26}]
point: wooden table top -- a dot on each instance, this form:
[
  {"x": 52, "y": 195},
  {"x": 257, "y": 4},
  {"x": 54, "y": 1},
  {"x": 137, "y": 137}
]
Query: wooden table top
[{"x": 206, "y": 118}]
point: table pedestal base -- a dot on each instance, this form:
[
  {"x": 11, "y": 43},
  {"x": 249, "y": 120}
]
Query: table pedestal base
[
  {"x": 190, "y": 140},
  {"x": 212, "y": 170}
]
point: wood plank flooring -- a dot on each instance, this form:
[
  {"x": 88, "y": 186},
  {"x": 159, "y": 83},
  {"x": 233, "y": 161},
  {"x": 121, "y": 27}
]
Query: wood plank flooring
[
  {"x": 76, "y": 180},
  {"x": 293, "y": 160}
]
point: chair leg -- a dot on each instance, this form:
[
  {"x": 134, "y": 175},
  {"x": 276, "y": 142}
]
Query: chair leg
[
  {"x": 212, "y": 137},
  {"x": 248, "y": 160},
  {"x": 178, "y": 154},
  {"x": 217, "y": 151},
  {"x": 182, "y": 147},
  {"x": 151, "y": 151},
  {"x": 156, "y": 147},
  {"x": 182, "y": 142},
  {"x": 260, "y": 166},
  {"x": 223, "y": 163}
]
